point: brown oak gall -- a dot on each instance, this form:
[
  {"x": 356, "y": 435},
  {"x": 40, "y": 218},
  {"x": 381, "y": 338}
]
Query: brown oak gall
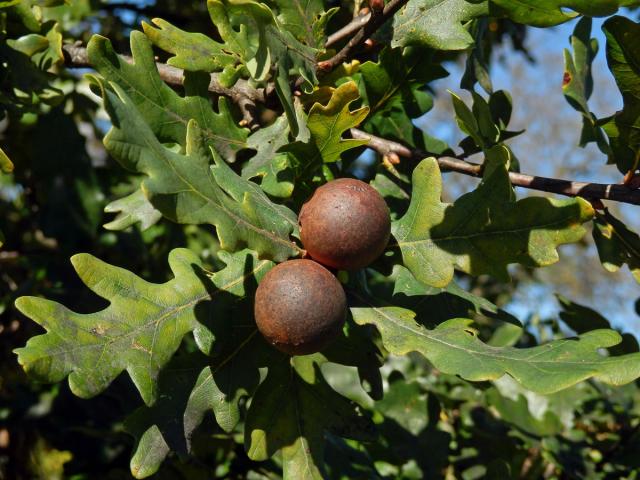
[
  {"x": 345, "y": 224},
  {"x": 300, "y": 307}
]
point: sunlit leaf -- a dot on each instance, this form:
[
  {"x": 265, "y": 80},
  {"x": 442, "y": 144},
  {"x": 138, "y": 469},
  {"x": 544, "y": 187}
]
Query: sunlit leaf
[
  {"x": 546, "y": 13},
  {"x": 251, "y": 30},
  {"x": 164, "y": 110},
  {"x": 436, "y": 23},
  {"x": 617, "y": 244},
  {"x": 623, "y": 58},
  {"x": 132, "y": 209},
  {"x": 327, "y": 123},
  {"x": 187, "y": 189},
  {"x": 191, "y": 51},
  {"x": 483, "y": 231},
  {"x": 138, "y": 332},
  {"x": 453, "y": 347}
]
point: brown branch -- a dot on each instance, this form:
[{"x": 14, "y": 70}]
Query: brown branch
[
  {"x": 242, "y": 94},
  {"x": 590, "y": 191},
  {"x": 375, "y": 21},
  {"x": 348, "y": 30},
  {"x": 246, "y": 97}
]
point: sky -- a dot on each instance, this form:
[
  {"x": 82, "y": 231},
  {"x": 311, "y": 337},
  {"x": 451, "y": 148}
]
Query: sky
[{"x": 549, "y": 148}]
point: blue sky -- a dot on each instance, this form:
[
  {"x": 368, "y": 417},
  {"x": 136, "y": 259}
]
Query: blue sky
[{"x": 549, "y": 147}]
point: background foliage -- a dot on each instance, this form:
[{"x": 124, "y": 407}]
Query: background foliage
[{"x": 207, "y": 202}]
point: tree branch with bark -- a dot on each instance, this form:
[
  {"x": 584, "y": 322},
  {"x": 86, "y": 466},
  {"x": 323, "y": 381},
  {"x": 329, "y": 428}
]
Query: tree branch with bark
[{"x": 246, "y": 97}]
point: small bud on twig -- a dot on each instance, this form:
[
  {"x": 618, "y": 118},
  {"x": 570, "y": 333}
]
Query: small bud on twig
[
  {"x": 325, "y": 66},
  {"x": 376, "y": 5},
  {"x": 370, "y": 43},
  {"x": 393, "y": 158},
  {"x": 629, "y": 176}
]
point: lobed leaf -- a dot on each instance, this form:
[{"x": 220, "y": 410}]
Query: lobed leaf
[
  {"x": 290, "y": 413},
  {"x": 623, "y": 58},
  {"x": 483, "y": 231},
  {"x": 134, "y": 208},
  {"x": 163, "y": 109},
  {"x": 191, "y": 51},
  {"x": 187, "y": 189},
  {"x": 326, "y": 124},
  {"x": 251, "y": 30},
  {"x": 272, "y": 167},
  {"x": 138, "y": 332},
  {"x": 547, "y": 13},
  {"x": 436, "y": 23},
  {"x": 305, "y": 19},
  {"x": 617, "y": 245},
  {"x": 195, "y": 384},
  {"x": 453, "y": 347}
]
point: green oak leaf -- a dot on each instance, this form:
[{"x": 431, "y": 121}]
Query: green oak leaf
[
  {"x": 290, "y": 413},
  {"x": 437, "y": 304},
  {"x": 191, "y": 51},
  {"x": 484, "y": 230},
  {"x": 44, "y": 49},
  {"x": 617, "y": 244},
  {"x": 486, "y": 124},
  {"x": 326, "y": 125},
  {"x": 577, "y": 84},
  {"x": 516, "y": 412},
  {"x": 165, "y": 111},
  {"x": 546, "y": 13},
  {"x": 394, "y": 89},
  {"x": 251, "y": 30},
  {"x": 134, "y": 208},
  {"x": 187, "y": 189},
  {"x": 623, "y": 58},
  {"x": 273, "y": 168},
  {"x": 192, "y": 385},
  {"x": 578, "y": 80},
  {"x": 454, "y": 348},
  {"x": 138, "y": 332},
  {"x": 436, "y": 23},
  {"x": 305, "y": 19},
  {"x": 582, "y": 319},
  {"x": 158, "y": 429},
  {"x": 328, "y": 122}
]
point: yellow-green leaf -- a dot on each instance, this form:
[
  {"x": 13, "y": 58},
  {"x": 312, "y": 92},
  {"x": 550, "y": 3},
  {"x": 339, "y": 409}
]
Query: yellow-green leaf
[
  {"x": 485, "y": 230},
  {"x": 453, "y": 347}
]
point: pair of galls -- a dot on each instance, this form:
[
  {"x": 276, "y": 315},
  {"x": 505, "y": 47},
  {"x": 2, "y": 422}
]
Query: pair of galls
[{"x": 300, "y": 306}]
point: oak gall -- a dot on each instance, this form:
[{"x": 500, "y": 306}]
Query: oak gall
[
  {"x": 345, "y": 224},
  {"x": 300, "y": 307}
]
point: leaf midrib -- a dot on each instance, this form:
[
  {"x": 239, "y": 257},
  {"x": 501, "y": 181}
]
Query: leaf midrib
[
  {"x": 422, "y": 333},
  {"x": 487, "y": 233},
  {"x": 170, "y": 313}
]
